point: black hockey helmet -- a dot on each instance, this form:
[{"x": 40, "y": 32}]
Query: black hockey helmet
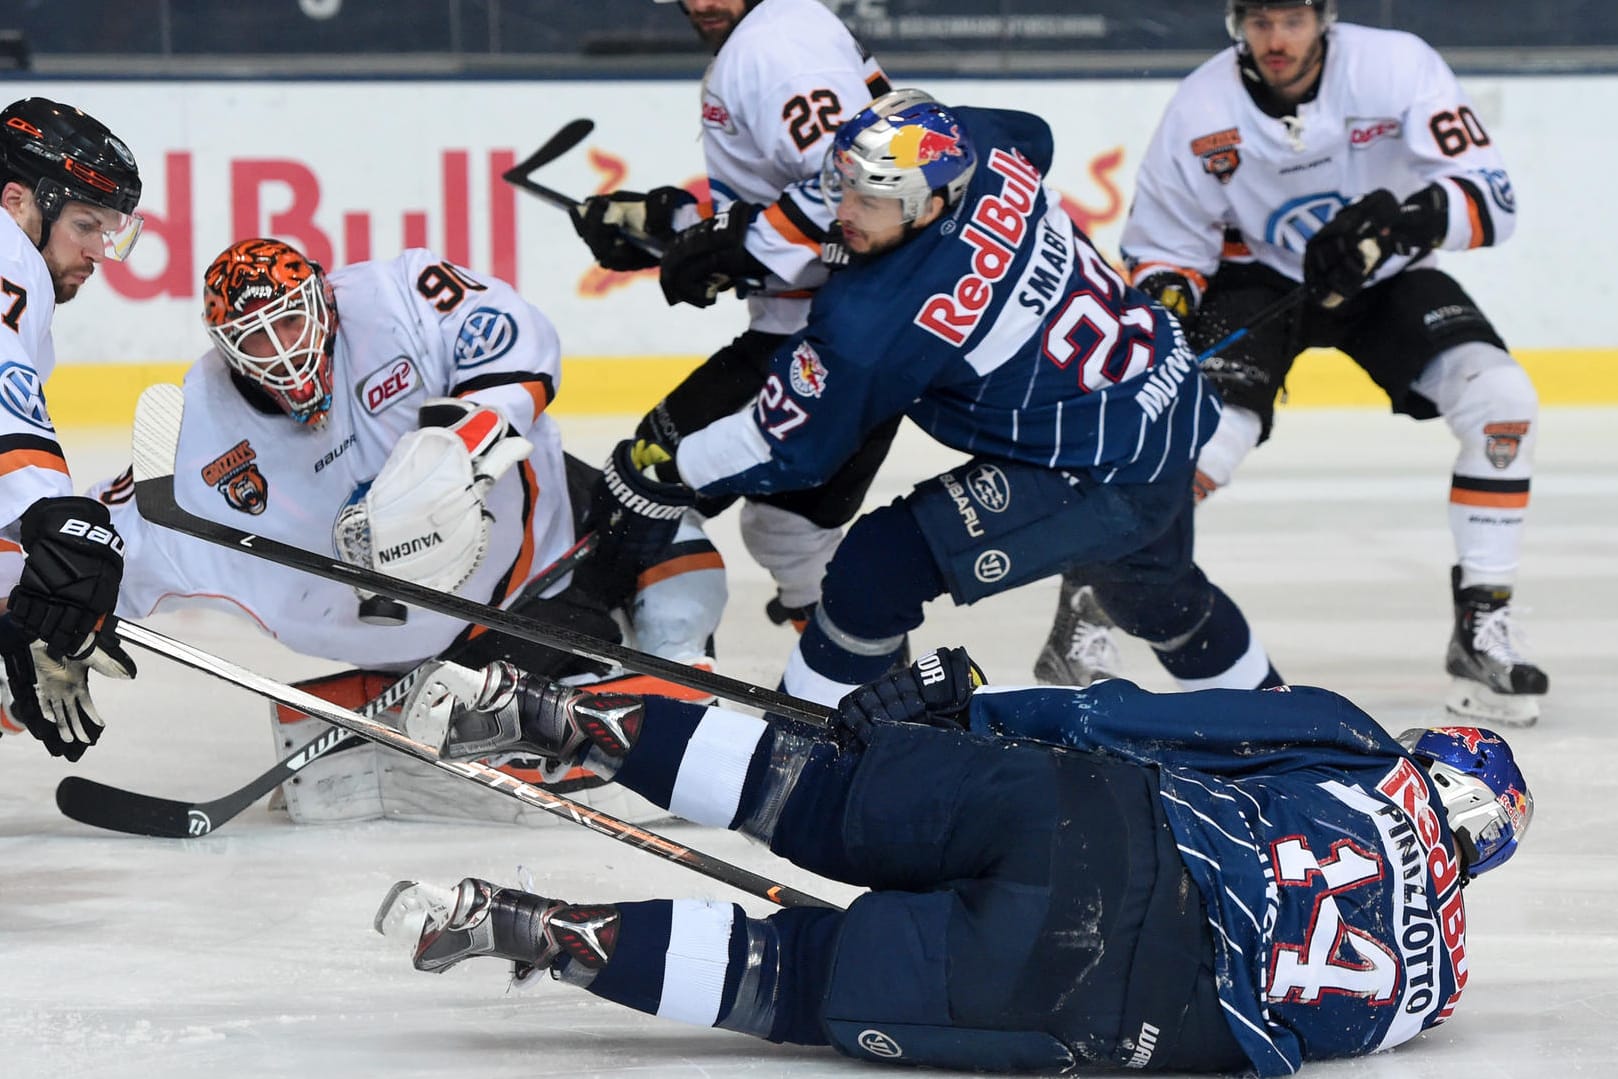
[
  {"x": 1236, "y": 11},
  {"x": 61, "y": 154}
]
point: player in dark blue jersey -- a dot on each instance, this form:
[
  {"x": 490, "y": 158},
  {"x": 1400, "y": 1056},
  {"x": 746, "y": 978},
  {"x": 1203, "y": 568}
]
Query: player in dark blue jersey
[
  {"x": 1224, "y": 880},
  {"x": 975, "y": 307}
]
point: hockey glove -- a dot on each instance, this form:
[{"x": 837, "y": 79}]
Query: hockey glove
[
  {"x": 934, "y": 690},
  {"x": 71, "y": 574},
  {"x": 610, "y": 224},
  {"x": 50, "y": 695},
  {"x": 423, "y": 518},
  {"x": 635, "y": 515},
  {"x": 1173, "y": 290},
  {"x": 710, "y": 257},
  {"x": 1343, "y": 255}
]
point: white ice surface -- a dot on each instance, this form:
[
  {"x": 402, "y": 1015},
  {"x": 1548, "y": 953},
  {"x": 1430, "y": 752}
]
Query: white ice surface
[{"x": 250, "y": 952}]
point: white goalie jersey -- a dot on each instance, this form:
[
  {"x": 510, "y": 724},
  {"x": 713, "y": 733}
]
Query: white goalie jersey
[
  {"x": 1388, "y": 114},
  {"x": 409, "y": 329},
  {"x": 784, "y": 81}
]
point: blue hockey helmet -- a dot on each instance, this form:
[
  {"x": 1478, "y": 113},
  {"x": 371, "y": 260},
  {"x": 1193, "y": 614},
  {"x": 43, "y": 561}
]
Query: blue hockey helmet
[
  {"x": 905, "y": 146},
  {"x": 1236, "y": 11},
  {"x": 1484, "y": 793}
]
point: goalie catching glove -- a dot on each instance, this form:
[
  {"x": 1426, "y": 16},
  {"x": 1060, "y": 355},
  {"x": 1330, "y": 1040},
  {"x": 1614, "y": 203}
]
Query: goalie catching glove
[{"x": 423, "y": 518}]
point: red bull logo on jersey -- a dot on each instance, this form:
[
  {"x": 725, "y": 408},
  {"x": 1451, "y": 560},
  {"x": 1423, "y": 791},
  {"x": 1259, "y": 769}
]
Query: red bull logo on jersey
[
  {"x": 914, "y": 145},
  {"x": 995, "y": 230},
  {"x": 808, "y": 374}
]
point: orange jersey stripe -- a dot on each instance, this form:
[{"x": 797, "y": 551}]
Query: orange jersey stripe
[
  {"x": 17, "y": 460},
  {"x": 542, "y": 399},
  {"x": 1474, "y": 219},
  {"x": 1496, "y": 499},
  {"x": 791, "y": 233},
  {"x": 690, "y": 563},
  {"x": 6, "y": 546},
  {"x": 1146, "y": 269}
]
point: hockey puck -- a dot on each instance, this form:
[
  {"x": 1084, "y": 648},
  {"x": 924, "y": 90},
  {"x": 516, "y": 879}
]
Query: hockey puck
[{"x": 382, "y": 611}]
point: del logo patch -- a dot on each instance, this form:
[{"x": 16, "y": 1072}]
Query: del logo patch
[
  {"x": 1220, "y": 158},
  {"x": 235, "y": 475},
  {"x": 1362, "y": 132},
  {"x": 808, "y": 374},
  {"x": 386, "y": 385},
  {"x": 716, "y": 114}
]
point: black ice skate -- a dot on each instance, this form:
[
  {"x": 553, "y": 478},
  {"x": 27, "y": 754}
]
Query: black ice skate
[
  {"x": 501, "y": 710},
  {"x": 479, "y": 919},
  {"x": 1493, "y": 681},
  {"x": 1080, "y": 648}
]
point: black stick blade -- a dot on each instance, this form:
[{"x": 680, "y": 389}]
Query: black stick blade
[{"x": 101, "y": 806}]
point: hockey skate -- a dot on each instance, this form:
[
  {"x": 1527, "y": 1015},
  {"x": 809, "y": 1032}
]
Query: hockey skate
[
  {"x": 476, "y": 918},
  {"x": 1080, "y": 648},
  {"x": 1493, "y": 681},
  {"x": 469, "y": 714}
]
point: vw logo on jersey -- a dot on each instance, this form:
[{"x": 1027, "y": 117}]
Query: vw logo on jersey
[
  {"x": 23, "y": 396},
  {"x": 1291, "y": 226},
  {"x": 486, "y": 335},
  {"x": 989, "y": 487},
  {"x": 879, "y": 1044},
  {"x": 1500, "y": 189}
]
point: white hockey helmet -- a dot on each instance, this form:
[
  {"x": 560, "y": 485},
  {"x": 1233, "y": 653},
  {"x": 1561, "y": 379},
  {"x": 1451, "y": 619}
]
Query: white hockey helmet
[
  {"x": 1236, "y": 11},
  {"x": 905, "y": 146}
]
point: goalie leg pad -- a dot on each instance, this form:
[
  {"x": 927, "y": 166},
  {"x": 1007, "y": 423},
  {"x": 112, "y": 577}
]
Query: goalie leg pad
[{"x": 344, "y": 785}]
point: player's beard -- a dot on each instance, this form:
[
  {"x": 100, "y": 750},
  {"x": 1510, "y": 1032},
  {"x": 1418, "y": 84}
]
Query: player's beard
[
  {"x": 1293, "y": 87},
  {"x": 66, "y": 289}
]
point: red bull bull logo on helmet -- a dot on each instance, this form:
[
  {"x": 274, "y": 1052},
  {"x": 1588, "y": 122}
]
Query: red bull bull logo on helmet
[{"x": 914, "y": 145}]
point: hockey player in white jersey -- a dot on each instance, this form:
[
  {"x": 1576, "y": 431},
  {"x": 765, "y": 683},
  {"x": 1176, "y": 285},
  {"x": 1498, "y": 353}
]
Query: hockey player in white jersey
[
  {"x": 395, "y": 411},
  {"x": 69, "y": 187},
  {"x": 785, "y": 74},
  {"x": 1343, "y": 157}
]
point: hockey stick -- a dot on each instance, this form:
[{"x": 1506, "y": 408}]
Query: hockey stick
[
  {"x": 571, "y": 134},
  {"x": 116, "y": 809},
  {"x": 157, "y": 430},
  {"x": 1280, "y": 306},
  {"x": 482, "y": 774}
]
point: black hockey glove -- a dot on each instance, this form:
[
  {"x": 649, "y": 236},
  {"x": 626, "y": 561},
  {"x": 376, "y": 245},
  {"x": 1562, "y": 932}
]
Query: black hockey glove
[
  {"x": 1344, "y": 254},
  {"x": 934, "y": 690},
  {"x": 50, "y": 695},
  {"x": 1173, "y": 290},
  {"x": 70, "y": 576},
  {"x": 710, "y": 257},
  {"x": 607, "y": 223},
  {"x": 635, "y": 516}
]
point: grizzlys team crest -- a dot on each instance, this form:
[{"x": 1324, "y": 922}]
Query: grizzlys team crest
[
  {"x": 1502, "y": 441},
  {"x": 1220, "y": 158},
  {"x": 235, "y": 475}
]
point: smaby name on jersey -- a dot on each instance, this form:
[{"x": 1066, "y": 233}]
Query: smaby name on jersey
[{"x": 996, "y": 228}]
